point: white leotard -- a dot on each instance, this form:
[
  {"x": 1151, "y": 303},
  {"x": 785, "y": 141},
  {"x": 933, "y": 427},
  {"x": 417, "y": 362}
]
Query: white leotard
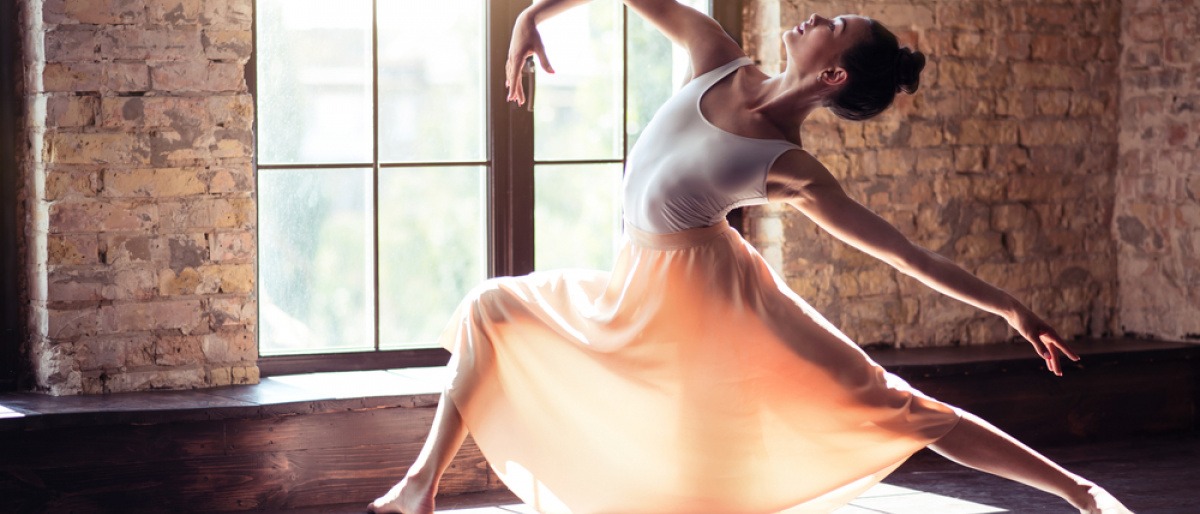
[{"x": 684, "y": 172}]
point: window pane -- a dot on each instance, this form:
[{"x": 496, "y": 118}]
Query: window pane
[
  {"x": 431, "y": 80},
  {"x": 431, "y": 249},
  {"x": 657, "y": 69},
  {"x": 576, "y": 216},
  {"x": 314, "y": 81},
  {"x": 577, "y": 110},
  {"x": 314, "y": 271}
]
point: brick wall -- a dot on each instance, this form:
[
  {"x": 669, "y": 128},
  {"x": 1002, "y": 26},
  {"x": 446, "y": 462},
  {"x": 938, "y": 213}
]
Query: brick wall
[
  {"x": 139, "y": 194},
  {"x": 1157, "y": 223},
  {"x": 1004, "y": 161}
]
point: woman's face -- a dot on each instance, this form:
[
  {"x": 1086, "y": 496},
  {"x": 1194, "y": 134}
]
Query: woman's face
[{"x": 818, "y": 44}]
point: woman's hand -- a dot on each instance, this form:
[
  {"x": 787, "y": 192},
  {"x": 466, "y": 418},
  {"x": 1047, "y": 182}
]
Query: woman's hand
[
  {"x": 525, "y": 42},
  {"x": 1046, "y": 342}
]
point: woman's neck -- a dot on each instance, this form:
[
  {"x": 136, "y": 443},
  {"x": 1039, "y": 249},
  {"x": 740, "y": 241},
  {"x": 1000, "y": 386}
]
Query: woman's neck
[{"x": 785, "y": 101}]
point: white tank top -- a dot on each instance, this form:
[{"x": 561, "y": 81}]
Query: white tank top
[{"x": 684, "y": 172}]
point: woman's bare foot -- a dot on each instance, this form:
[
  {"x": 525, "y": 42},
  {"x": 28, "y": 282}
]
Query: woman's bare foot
[
  {"x": 406, "y": 497},
  {"x": 1099, "y": 501}
]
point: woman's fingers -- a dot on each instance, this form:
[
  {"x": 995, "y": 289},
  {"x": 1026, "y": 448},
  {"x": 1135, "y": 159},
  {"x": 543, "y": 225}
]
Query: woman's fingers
[
  {"x": 512, "y": 80},
  {"x": 541, "y": 54}
]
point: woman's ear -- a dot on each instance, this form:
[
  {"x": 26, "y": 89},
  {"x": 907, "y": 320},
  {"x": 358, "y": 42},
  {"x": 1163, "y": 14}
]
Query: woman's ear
[{"x": 833, "y": 76}]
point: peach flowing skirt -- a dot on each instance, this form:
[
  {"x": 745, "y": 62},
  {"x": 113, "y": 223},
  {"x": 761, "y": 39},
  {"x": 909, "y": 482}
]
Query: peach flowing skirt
[{"x": 690, "y": 379}]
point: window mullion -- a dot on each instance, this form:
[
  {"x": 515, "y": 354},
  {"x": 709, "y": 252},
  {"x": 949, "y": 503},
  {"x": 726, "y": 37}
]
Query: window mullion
[
  {"x": 375, "y": 164},
  {"x": 510, "y": 139}
]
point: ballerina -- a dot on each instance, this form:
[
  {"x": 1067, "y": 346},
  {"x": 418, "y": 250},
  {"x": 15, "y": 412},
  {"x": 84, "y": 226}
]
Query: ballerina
[{"x": 690, "y": 378}]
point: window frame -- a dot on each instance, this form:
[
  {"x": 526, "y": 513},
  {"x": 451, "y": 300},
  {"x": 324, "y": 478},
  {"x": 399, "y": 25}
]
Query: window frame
[
  {"x": 12, "y": 326},
  {"x": 509, "y": 186}
]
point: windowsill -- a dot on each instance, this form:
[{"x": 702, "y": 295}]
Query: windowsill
[
  {"x": 310, "y": 393},
  {"x": 315, "y": 393}
]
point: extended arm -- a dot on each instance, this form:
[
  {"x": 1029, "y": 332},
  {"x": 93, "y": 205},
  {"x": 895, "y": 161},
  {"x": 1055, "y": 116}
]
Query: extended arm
[
  {"x": 707, "y": 44},
  {"x": 802, "y": 181}
]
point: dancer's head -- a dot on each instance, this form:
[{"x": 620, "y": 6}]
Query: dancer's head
[{"x": 858, "y": 63}]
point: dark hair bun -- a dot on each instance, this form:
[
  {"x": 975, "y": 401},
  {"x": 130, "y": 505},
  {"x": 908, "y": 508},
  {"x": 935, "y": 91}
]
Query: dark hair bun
[{"x": 908, "y": 70}]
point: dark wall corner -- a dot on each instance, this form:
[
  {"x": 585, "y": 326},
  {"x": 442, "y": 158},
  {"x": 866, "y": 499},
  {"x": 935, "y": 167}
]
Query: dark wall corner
[{"x": 12, "y": 329}]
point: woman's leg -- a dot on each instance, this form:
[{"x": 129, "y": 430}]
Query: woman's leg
[
  {"x": 414, "y": 494},
  {"x": 977, "y": 444}
]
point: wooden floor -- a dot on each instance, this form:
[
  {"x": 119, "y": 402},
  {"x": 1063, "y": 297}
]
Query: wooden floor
[
  {"x": 1151, "y": 475},
  {"x": 331, "y": 442}
]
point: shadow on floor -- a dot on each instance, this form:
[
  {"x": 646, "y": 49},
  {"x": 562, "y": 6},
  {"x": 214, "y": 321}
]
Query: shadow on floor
[{"x": 1158, "y": 475}]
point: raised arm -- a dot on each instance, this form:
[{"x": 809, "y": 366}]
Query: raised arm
[
  {"x": 706, "y": 43},
  {"x": 803, "y": 182}
]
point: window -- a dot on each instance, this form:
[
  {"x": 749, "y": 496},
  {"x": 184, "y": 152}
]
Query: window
[{"x": 393, "y": 177}]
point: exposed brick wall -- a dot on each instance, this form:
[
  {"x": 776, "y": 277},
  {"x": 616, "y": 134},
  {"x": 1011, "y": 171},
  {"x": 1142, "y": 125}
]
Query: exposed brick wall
[
  {"x": 141, "y": 212},
  {"x": 1004, "y": 161},
  {"x": 1157, "y": 224}
]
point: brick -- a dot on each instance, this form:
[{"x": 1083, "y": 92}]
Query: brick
[
  {"x": 234, "y": 178},
  {"x": 973, "y": 45},
  {"x": 158, "y": 44},
  {"x": 234, "y": 111},
  {"x": 127, "y": 77},
  {"x": 244, "y": 374},
  {"x": 71, "y": 182},
  {"x": 978, "y": 132},
  {"x": 1037, "y": 133},
  {"x": 1019, "y": 105},
  {"x": 925, "y": 134},
  {"x": 964, "y": 15},
  {"x": 204, "y": 76},
  {"x": 189, "y": 146},
  {"x": 968, "y": 159},
  {"x": 188, "y": 251},
  {"x": 72, "y": 249},
  {"x": 232, "y": 143},
  {"x": 1014, "y": 46},
  {"x": 228, "y": 45},
  {"x": 1142, "y": 55},
  {"x": 179, "y": 350},
  {"x": 1046, "y": 75},
  {"x": 901, "y": 16},
  {"x": 1147, "y": 27},
  {"x": 233, "y": 213},
  {"x": 1043, "y": 17},
  {"x": 97, "y": 216},
  {"x": 1181, "y": 51},
  {"x": 130, "y": 284},
  {"x": 95, "y": 12},
  {"x": 179, "y": 315},
  {"x": 125, "y": 112},
  {"x": 71, "y": 111},
  {"x": 72, "y": 43},
  {"x": 893, "y": 161},
  {"x": 126, "y": 250},
  {"x": 230, "y": 346},
  {"x": 935, "y": 160},
  {"x": 1012, "y": 217},
  {"x": 173, "y": 12},
  {"x": 979, "y": 247},
  {"x": 1053, "y": 103},
  {"x": 227, "y": 13},
  {"x": 96, "y": 148},
  {"x": 73, "y": 291},
  {"x": 70, "y": 324},
  {"x": 183, "y": 215},
  {"x": 73, "y": 77},
  {"x": 236, "y": 311},
  {"x": 1053, "y": 48},
  {"x": 234, "y": 247},
  {"x": 153, "y": 182}
]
